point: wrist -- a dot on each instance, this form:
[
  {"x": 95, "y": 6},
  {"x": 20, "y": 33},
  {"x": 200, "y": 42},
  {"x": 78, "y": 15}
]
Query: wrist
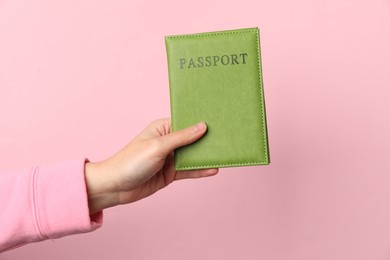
[{"x": 100, "y": 188}]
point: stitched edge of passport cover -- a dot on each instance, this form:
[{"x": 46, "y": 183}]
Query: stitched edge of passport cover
[{"x": 263, "y": 120}]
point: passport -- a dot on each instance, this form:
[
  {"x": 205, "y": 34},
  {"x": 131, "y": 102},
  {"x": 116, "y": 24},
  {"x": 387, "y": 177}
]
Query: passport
[{"x": 216, "y": 77}]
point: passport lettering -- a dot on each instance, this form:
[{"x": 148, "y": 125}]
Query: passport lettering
[{"x": 198, "y": 62}]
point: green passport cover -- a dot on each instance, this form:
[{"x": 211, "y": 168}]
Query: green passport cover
[{"x": 216, "y": 77}]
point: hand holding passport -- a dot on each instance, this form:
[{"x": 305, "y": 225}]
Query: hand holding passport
[{"x": 216, "y": 77}]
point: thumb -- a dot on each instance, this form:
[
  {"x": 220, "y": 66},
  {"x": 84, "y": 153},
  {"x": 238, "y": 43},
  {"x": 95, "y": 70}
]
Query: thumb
[{"x": 183, "y": 137}]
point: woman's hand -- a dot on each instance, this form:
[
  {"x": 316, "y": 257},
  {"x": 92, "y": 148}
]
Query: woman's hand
[{"x": 142, "y": 167}]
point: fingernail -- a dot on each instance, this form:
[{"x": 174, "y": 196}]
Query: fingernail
[{"x": 200, "y": 126}]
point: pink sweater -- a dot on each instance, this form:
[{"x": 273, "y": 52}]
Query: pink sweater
[{"x": 44, "y": 202}]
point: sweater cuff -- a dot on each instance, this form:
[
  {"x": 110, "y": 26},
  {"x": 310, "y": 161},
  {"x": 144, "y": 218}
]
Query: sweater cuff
[{"x": 61, "y": 200}]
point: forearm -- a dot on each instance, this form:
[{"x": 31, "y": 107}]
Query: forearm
[{"x": 101, "y": 190}]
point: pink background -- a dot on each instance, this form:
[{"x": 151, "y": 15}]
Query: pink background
[{"x": 82, "y": 78}]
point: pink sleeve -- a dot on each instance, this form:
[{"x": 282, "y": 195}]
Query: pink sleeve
[{"x": 44, "y": 202}]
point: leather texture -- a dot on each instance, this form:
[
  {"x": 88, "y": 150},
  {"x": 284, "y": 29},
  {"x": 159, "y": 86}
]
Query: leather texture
[{"x": 216, "y": 77}]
